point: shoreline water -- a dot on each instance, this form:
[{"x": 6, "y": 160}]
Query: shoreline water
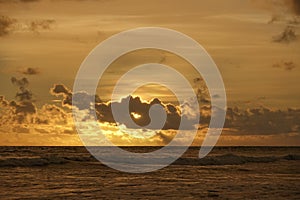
[{"x": 226, "y": 173}]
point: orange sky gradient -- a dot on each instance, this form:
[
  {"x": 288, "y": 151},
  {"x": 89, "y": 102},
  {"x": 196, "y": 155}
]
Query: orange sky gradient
[{"x": 255, "y": 45}]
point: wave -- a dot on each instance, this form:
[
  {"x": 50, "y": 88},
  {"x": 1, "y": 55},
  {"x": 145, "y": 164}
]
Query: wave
[
  {"x": 232, "y": 159},
  {"x": 42, "y": 161},
  {"x": 226, "y": 159}
]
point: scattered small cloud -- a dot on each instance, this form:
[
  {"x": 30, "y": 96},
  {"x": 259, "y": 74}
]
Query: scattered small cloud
[
  {"x": 288, "y": 35},
  {"x": 6, "y": 25},
  {"x": 39, "y": 25},
  {"x": 286, "y": 65},
  {"x": 9, "y": 25},
  {"x": 29, "y": 71},
  {"x": 24, "y": 94}
]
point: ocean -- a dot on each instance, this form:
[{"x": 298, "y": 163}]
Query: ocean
[{"x": 226, "y": 173}]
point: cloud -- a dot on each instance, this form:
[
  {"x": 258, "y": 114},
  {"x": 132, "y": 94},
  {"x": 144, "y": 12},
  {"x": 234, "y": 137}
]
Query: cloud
[
  {"x": 29, "y": 71},
  {"x": 14, "y": 112},
  {"x": 286, "y": 65},
  {"x": 39, "y": 25},
  {"x": 255, "y": 121},
  {"x": 202, "y": 90},
  {"x": 18, "y": 116},
  {"x": 3, "y": 101},
  {"x": 6, "y": 25},
  {"x": 288, "y": 35},
  {"x": 23, "y": 107},
  {"x": 263, "y": 121},
  {"x": 279, "y": 8},
  {"x": 141, "y": 108},
  {"x": 21, "y": 115},
  {"x": 60, "y": 89},
  {"x": 287, "y": 11},
  {"x": 52, "y": 114},
  {"x": 164, "y": 137},
  {"x": 84, "y": 99},
  {"x": 24, "y": 94},
  {"x": 23, "y": 82},
  {"x": 9, "y": 25}
]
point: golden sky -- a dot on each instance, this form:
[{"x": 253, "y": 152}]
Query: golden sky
[{"x": 255, "y": 45}]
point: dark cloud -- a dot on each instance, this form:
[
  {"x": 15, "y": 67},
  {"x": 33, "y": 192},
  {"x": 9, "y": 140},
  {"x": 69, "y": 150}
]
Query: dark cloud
[
  {"x": 286, "y": 65},
  {"x": 23, "y": 82},
  {"x": 142, "y": 108},
  {"x": 18, "y": 111},
  {"x": 60, "y": 89},
  {"x": 29, "y": 71},
  {"x": 83, "y": 99},
  {"x": 24, "y": 94},
  {"x": 260, "y": 121},
  {"x": 6, "y": 25},
  {"x": 288, "y": 35},
  {"x": 23, "y": 107},
  {"x": 255, "y": 121}
]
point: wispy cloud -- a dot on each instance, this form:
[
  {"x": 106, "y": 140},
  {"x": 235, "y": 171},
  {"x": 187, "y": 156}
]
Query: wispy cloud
[{"x": 6, "y": 25}]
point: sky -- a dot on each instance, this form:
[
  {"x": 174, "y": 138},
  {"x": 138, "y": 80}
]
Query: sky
[{"x": 255, "y": 45}]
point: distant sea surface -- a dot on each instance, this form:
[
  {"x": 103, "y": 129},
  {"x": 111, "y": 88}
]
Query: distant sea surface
[{"x": 226, "y": 173}]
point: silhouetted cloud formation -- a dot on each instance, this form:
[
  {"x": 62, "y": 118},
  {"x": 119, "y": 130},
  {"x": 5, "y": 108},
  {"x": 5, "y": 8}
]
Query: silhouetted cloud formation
[
  {"x": 251, "y": 121},
  {"x": 18, "y": 115},
  {"x": 136, "y": 105}
]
